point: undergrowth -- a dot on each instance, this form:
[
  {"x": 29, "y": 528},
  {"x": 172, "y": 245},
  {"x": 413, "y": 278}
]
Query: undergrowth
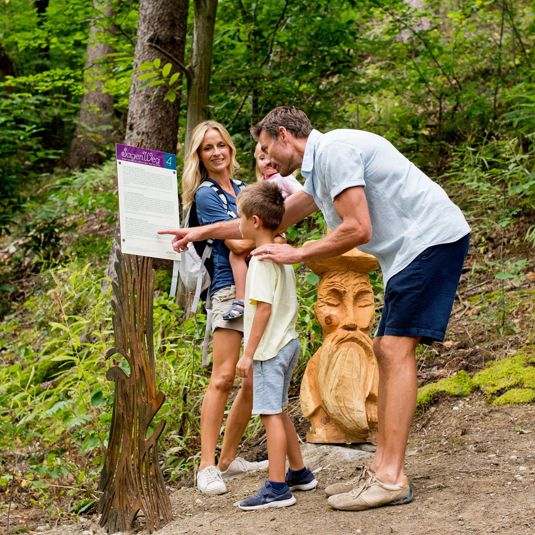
[{"x": 55, "y": 400}]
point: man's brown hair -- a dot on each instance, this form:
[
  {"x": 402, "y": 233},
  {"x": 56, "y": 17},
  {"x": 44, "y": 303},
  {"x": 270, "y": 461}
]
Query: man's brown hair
[
  {"x": 294, "y": 120},
  {"x": 265, "y": 200}
]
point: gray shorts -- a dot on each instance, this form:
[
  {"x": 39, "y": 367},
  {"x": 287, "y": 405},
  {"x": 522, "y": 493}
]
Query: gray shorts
[
  {"x": 221, "y": 302},
  {"x": 271, "y": 379}
]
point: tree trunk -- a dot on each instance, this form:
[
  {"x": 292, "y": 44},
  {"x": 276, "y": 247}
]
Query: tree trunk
[
  {"x": 201, "y": 58},
  {"x": 94, "y": 127},
  {"x": 152, "y": 121},
  {"x": 43, "y": 53},
  {"x": 131, "y": 479},
  {"x": 6, "y": 65}
]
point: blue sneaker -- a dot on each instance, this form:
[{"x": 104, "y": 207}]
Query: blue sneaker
[
  {"x": 304, "y": 481},
  {"x": 267, "y": 497}
]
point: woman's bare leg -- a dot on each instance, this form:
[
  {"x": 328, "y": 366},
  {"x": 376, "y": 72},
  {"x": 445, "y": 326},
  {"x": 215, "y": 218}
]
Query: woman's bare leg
[
  {"x": 226, "y": 349},
  {"x": 238, "y": 418}
]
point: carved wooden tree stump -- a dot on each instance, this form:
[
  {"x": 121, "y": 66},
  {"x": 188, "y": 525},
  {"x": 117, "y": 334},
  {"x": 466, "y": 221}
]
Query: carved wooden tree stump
[{"x": 131, "y": 479}]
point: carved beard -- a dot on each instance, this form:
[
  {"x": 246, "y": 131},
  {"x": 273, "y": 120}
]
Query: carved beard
[{"x": 347, "y": 376}]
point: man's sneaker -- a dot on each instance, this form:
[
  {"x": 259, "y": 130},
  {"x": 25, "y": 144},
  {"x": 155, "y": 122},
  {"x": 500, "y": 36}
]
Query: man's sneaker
[
  {"x": 372, "y": 493},
  {"x": 267, "y": 497},
  {"x": 304, "y": 481},
  {"x": 347, "y": 486},
  {"x": 240, "y": 466},
  {"x": 209, "y": 481}
]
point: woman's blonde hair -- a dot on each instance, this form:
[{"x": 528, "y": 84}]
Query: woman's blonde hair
[
  {"x": 194, "y": 171},
  {"x": 257, "y": 172}
]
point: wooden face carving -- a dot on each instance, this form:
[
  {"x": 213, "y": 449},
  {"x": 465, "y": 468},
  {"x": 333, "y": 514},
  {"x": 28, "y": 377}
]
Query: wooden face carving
[{"x": 345, "y": 301}]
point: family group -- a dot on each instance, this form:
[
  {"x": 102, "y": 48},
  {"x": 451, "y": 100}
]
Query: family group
[{"x": 371, "y": 196}]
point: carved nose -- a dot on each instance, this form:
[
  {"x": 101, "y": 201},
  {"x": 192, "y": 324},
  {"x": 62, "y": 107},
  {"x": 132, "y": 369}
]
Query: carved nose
[{"x": 350, "y": 326}]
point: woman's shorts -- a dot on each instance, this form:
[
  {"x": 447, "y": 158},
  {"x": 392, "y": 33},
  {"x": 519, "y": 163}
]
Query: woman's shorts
[
  {"x": 271, "y": 379},
  {"x": 221, "y": 302},
  {"x": 419, "y": 299}
]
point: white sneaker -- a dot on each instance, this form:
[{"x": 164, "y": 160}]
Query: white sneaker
[
  {"x": 209, "y": 481},
  {"x": 240, "y": 466}
]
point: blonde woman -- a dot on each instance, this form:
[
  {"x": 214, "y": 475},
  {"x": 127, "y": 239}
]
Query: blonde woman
[{"x": 212, "y": 156}]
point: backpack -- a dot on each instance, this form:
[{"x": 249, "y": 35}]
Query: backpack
[{"x": 196, "y": 266}]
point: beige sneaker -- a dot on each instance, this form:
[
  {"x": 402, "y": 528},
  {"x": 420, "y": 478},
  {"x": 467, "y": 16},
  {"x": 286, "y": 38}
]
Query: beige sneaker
[
  {"x": 240, "y": 466},
  {"x": 372, "y": 493},
  {"x": 347, "y": 486}
]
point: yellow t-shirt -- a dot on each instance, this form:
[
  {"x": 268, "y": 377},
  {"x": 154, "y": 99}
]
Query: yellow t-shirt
[{"x": 275, "y": 284}]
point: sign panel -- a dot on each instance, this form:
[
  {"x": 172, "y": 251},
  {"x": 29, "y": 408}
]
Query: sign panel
[{"x": 148, "y": 201}]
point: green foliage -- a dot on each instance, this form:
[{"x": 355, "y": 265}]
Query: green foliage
[
  {"x": 497, "y": 180},
  {"x": 26, "y": 147},
  {"x": 39, "y": 100},
  {"x": 153, "y": 74},
  {"x": 495, "y": 309}
]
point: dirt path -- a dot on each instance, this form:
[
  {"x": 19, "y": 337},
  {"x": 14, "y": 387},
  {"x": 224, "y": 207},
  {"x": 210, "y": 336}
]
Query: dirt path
[{"x": 472, "y": 465}]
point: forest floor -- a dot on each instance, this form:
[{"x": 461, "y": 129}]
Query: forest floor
[{"x": 472, "y": 466}]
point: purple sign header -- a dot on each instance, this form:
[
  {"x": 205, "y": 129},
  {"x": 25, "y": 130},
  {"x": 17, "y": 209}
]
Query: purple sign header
[{"x": 145, "y": 156}]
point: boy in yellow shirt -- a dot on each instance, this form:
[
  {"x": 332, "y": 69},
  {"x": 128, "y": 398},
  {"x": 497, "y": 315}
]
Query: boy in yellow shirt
[{"x": 271, "y": 348}]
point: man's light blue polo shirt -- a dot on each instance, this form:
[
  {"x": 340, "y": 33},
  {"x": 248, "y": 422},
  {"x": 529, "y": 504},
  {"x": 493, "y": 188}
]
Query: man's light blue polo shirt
[{"x": 409, "y": 212}]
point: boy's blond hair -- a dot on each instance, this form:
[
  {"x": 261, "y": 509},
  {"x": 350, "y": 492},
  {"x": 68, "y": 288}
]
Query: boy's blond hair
[{"x": 265, "y": 200}]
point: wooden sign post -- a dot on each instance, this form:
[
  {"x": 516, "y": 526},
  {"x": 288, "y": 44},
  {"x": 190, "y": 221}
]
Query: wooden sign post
[{"x": 131, "y": 479}]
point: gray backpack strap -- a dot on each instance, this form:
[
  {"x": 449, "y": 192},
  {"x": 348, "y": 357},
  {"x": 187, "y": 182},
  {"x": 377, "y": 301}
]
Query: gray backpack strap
[
  {"x": 198, "y": 289},
  {"x": 207, "y": 336},
  {"x": 176, "y": 263},
  {"x": 174, "y": 278},
  {"x": 209, "y": 184}
]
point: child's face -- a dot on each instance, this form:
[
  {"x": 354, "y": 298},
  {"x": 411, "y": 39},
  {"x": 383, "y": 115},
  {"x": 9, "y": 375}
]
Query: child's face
[
  {"x": 264, "y": 163},
  {"x": 247, "y": 227}
]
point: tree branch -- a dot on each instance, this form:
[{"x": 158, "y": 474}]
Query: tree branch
[
  {"x": 274, "y": 33},
  {"x": 509, "y": 11},
  {"x": 186, "y": 70},
  {"x": 422, "y": 40},
  {"x": 239, "y": 109}
]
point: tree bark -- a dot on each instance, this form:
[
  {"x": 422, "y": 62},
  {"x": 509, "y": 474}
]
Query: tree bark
[
  {"x": 131, "y": 478},
  {"x": 201, "y": 59},
  {"x": 152, "y": 121},
  {"x": 6, "y": 65},
  {"x": 94, "y": 127}
]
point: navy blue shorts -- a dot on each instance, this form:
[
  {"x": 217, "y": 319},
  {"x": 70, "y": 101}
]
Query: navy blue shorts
[{"x": 419, "y": 299}]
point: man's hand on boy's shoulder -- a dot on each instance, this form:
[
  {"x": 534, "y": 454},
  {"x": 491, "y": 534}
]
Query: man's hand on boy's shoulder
[
  {"x": 281, "y": 253},
  {"x": 243, "y": 366}
]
